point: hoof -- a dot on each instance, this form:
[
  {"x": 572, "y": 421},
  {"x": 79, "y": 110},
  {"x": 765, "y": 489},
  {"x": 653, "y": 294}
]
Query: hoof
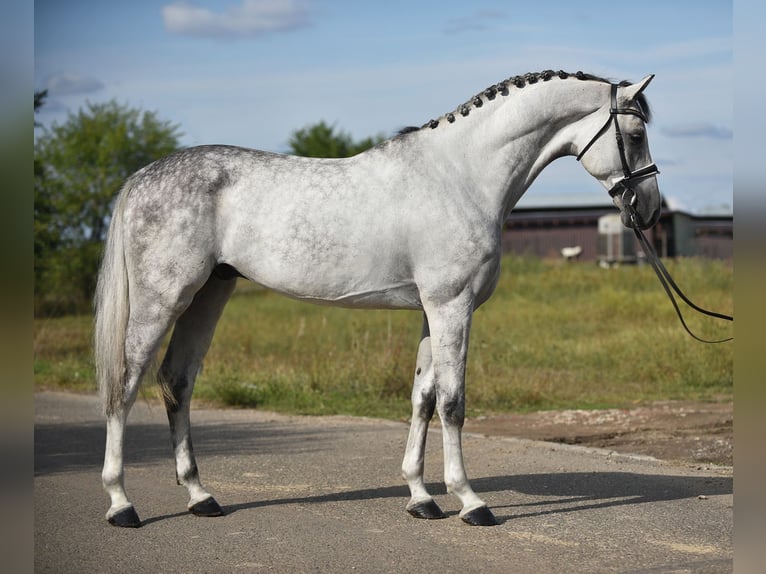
[
  {"x": 207, "y": 507},
  {"x": 428, "y": 510},
  {"x": 481, "y": 516},
  {"x": 125, "y": 518}
]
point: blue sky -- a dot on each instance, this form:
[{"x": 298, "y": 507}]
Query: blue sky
[{"x": 249, "y": 72}]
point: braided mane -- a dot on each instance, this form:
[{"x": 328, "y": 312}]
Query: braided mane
[{"x": 517, "y": 82}]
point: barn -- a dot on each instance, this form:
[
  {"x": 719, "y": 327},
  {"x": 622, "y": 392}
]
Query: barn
[{"x": 587, "y": 227}]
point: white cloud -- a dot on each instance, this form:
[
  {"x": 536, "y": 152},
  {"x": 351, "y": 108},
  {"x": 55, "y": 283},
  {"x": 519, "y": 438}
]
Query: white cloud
[
  {"x": 697, "y": 130},
  {"x": 71, "y": 84},
  {"x": 252, "y": 18}
]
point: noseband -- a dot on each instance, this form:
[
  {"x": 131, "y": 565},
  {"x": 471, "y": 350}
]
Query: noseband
[{"x": 623, "y": 184}]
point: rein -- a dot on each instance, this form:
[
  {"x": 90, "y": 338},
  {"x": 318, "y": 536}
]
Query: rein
[
  {"x": 629, "y": 199},
  {"x": 664, "y": 276}
]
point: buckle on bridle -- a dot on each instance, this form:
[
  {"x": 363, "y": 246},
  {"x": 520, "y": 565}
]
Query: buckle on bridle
[{"x": 624, "y": 182}]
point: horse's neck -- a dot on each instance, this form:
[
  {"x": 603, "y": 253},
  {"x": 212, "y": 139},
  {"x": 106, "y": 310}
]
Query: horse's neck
[{"x": 512, "y": 140}]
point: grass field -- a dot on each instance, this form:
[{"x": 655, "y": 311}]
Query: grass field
[{"x": 554, "y": 335}]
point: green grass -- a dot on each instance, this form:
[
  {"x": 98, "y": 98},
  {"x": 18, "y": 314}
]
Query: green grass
[{"x": 554, "y": 335}]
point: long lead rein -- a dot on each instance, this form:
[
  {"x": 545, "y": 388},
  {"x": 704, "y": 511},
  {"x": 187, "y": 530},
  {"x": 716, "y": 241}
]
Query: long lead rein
[
  {"x": 624, "y": 185},
  {"x": 667, "y": 281}
]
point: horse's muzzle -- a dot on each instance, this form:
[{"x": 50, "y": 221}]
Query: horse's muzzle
[{"x": 633, "y": 212}]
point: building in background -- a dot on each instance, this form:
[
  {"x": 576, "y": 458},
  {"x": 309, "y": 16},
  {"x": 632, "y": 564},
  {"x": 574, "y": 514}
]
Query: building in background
[{"x": 587, "y": 227}]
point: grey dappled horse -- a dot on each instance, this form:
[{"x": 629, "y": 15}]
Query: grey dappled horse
[{"x": 413, "y": 223}]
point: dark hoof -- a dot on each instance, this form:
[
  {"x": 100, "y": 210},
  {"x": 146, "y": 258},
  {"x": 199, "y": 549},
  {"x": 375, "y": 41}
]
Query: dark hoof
[
  {"x": 207, "y": 507},
  {"x": 428, "y": 510},
  {"x": 481, "y": 516},
  {"x": 126, "y": 518}
]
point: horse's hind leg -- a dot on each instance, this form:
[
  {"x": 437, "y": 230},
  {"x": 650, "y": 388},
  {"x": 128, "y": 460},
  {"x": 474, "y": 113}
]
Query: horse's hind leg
[
  {"x": 121, "y": 511},
  {"x": 144, "y": 333},
  {"x": 188, "y": 345}
]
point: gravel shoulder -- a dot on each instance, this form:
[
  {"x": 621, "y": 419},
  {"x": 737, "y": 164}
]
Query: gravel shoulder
[{"x": 678, "y": 431}]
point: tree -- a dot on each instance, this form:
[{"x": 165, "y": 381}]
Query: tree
[
  {"x": 321, "y": 140},
  {"x": 80, "y": 167},
  {"x": 39, "y": 101},
  {"x": 45, "y": 237}
]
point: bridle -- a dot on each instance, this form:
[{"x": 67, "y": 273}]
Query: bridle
[
  {"x": 629, "y": 199},
  {"x": 628, "y": 176}
]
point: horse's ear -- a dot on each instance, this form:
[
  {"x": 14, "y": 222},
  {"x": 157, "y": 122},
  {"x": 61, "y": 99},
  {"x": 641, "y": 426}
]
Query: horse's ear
[{"x": 631, "y": 92}]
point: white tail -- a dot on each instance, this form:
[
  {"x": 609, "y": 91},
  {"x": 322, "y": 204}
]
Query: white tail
[{"x": 112, "y": 309}]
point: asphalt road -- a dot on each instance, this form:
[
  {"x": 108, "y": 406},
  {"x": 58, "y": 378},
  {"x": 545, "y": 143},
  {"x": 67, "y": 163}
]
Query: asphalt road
[{"x": 323, "y": 494}]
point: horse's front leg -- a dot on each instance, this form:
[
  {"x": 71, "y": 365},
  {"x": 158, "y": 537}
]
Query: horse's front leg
[
  {"x": 450, "y": 327},
  {"x": 421, "y": 504}
]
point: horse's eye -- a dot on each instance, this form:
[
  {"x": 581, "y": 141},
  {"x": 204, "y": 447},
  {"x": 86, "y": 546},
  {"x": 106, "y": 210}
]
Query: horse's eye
[{"x": 637, "y": 137}]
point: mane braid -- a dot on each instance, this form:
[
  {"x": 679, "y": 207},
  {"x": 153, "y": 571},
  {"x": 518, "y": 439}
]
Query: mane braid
[{"x": 504, "y": 88}]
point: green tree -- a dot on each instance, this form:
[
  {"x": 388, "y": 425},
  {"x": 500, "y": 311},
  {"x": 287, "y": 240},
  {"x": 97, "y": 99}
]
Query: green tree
[
  {"x": 80, "y": 166},
  {"x": 39, "y": 101},
  {"x": 44, "y": 235},
  {"x": 321, "y": 140}
]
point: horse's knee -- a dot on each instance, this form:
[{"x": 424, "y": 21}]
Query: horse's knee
[
  {"x": 424, "y": 403},
  {"x": 452, "y": 409},
  {"x": 424, "y": 391}
]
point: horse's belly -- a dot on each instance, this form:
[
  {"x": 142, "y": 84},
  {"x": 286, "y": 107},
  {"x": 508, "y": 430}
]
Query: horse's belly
[
  {"x": 390, "y": 297},
  {"x": 401, "y": 295},
  {"x": 369, "y": 281}
]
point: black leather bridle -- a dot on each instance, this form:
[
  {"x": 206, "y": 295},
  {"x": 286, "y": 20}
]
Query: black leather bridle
[
  {"x": 629, "y": 199},
  {"x": 623, "y": 184}
]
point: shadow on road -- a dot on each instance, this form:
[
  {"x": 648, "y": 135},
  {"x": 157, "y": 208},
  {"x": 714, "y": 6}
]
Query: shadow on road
[
  {"x": 569, "y": 491},
  {"x": 64, "y": 447},
  {"x": 555, "y": 493}
]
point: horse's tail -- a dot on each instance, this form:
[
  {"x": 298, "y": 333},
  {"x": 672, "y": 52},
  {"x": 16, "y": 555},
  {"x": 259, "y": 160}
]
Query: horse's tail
[{"x": 112, "y": 309}]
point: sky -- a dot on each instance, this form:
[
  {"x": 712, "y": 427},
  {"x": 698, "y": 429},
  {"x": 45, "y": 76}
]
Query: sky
[{"x": 250, "y": 72}]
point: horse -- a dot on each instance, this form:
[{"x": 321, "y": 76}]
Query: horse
[{"x": 412, "y": 223}]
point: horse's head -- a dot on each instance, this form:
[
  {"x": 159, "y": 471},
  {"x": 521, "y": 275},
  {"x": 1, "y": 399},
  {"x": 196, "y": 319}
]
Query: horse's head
[{"x": 618, "y": 155}]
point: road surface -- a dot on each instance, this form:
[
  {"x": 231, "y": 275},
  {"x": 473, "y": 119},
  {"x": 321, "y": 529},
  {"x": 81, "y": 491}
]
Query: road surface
[{"x": 323, "y": 494}]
